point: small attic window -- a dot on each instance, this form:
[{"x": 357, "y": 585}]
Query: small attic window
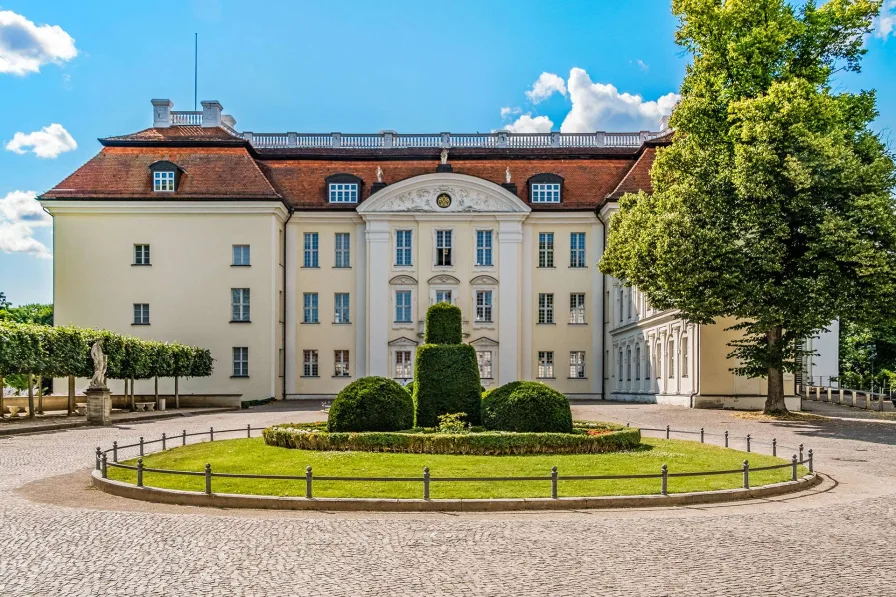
[
  {"x": 545, "y": 188},
  {"x": 343, "y": 188},
  {"x": 165, "y": 176}
]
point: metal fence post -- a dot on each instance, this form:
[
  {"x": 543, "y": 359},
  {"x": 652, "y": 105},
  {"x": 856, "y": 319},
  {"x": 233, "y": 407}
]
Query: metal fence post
[
  {"x": 667, "y": 432},
  {"x": 139, "y": 472},
  {"x": 211, "y": 434},
  {"x": 748, "y": 442},
  {"x": 425, "y": 482},
  {"x": 141, "y": 445},
  {"x": 308, "y": 482},
  {"x": 811, "y": 468},
  {"x": 249, "y": 430},
  {"x": 99, "y": 453},
  {"x": 774, "y": 446},
  {"x": 208, "y": 478},
  {"x": 665, "y": 488},
  {"x": 801, "y": 452},
  {"x": 114, "y": 451},
  {"x": 105, "y": 474},
  {"x": 746, "y": 475},
  {"x": 554, "y": 482},
  {"x": 184, "y": 436},
  {"x": 726, "y": 439},
  {"x": 793, "y": 462},
  {"x": 163, "y": 442}
]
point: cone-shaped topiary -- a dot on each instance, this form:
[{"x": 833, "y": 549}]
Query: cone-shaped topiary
[
  {"x": 526, "y": 406},
  {"x": 443, "y": 324},
  {"x": 371, "y": 404}
]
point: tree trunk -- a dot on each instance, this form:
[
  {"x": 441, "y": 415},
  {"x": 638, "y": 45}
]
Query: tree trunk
[
  {"x": 133, "y": 407},
  {"x": 1, "y": 396},
  {"x": 71, "y": 394},
  {"x": 30, "y": 396},
  {"x": 176, "y": 394},
  {"x": 40, "y": 395},
  {"x": 774, "y": 403},
  {"x": 125, "y": 392},
  {"x": 157, "y": 392}
]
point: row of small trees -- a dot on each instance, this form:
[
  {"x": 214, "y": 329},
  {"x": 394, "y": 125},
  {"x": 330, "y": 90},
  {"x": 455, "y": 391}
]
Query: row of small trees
[{"x": 64, "y": 351}]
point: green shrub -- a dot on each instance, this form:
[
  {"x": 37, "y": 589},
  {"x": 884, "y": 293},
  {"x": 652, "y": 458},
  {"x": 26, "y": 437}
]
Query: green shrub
[
  {"x": 443, "y": 324},
  {"x": 453, "y": 423},
  {"x": 446, "y": 380},
  {"x": 371, "y": 404},
  {"x": 410, "y": 388},
  {"x": 526, "y": 406},
  {"x": 489, "y": 443}
]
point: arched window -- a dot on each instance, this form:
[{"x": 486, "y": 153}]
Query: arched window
[
  {"x": 684, "y": 355},
  {"x": 671, "y": 349},
  {"x": 638, "y": 362},
  {"x": 165, "y": 176},
  {"x": 657, "y": 359},
  {"x": 545, "y": 188},
  {"x": 343, "y": 188},
  {"x": 620, "y": 365},
  {"x": 628, "y": 364}
]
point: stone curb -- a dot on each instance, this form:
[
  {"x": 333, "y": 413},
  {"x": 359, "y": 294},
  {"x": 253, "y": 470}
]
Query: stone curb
[
  {"x": 258, "y": 502},
  {"x": 18, "y": 429}
]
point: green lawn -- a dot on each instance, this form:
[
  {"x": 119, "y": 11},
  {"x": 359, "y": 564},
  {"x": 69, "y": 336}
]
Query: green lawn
[{"x": 252, "y": 455}]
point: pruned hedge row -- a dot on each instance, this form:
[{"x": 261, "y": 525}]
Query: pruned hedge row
[
  {"x": 488, "y": 443},
  {"x": 59, "y": 351}
]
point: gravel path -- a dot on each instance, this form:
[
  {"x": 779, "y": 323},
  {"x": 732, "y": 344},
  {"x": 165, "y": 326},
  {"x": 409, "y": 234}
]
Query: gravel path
[{"x": 59, "y": 537}]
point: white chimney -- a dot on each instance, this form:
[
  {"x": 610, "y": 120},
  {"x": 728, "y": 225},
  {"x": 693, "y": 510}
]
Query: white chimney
[
  {"x": 229, "y": 120},
  {"x": 664, "y": 123},
  {"x": 211, "y": 113},
  {"x": 161, "y": 113}
]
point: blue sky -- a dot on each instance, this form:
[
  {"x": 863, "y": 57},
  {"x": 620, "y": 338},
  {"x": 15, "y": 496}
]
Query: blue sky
[{"x": 72, "y": 71}]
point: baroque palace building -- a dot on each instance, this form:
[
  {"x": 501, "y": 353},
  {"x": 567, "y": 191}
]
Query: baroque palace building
[{"x": 304, "y": 261}]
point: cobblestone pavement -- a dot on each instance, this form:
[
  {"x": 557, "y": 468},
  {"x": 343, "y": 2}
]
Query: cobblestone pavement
[{"x": 57, "y": 537}]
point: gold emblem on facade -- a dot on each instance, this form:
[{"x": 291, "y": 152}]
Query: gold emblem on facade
[{"x": 443, "y": 200}]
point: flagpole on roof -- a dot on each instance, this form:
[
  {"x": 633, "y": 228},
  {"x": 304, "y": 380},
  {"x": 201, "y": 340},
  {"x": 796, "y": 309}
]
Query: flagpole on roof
[{"x": 195, "y": 70}]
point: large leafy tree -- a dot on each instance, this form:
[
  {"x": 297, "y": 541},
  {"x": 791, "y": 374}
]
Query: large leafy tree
[{"x": 774, "y": 204}]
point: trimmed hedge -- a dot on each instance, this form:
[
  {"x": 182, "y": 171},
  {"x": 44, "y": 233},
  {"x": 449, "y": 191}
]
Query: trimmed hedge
[
  {"x": 526, "y": 406},
  {"x": 371, "y": 404},
  {"x": 443, "y": 324},
  {"x": 446, "y": 380},
  {"x": 489, "y": 443}
]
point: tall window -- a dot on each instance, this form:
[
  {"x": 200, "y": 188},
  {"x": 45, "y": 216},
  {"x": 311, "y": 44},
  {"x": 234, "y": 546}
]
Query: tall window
[
  {"x": 577, "y": 249},
  {"x": 577, "y": 307},
  {"x": 638, "y": 362},
  {"x": 309, "y": 361},
  {"x": 577, "y": 364},
  {"x": 141, "y": 254},
  {"x": 343, "y": 192},
  {"x": 628, "y": 303},
  {"x": 311, "y": 250},
  {"x": 443, "y": 247},
  {"x": 545, "y": 308},
  {"x": 621, "y": 300},
  {"x": 671, "y": 349},
  {"x": 484, "y": 360},
  {"x": 341, "y": 302},
  {"x": 647, "y": 362},
  {"x": 163, "y": 180},
  {"x": 545, "y": 364},
  {"x": 343, "y": 249},
  {"x": 239, "y": 299},
  {"x": 545, "y": 249},
  {"x": 545, "y": 192},
  {"x": 484, "y": 247},
  {"x": 241, "y": 255},
  {"x": 310, "y": 304},
  {"x": 403, "y": 306},
  {"x": 619, "y": 377},
  {"x": 443, "y": 296},
  {"x": 684, "y": 356},
  {"x": 403, "y": 247},
  {"x": 340, "y": 358},
  {"x": 403, "y": 365},
  {"x": 658, "y": 359},
  {"x": 141, "y": 313},
  {"x": 628, "y": 364},
  {"x": 241, "y": 361},
  {"x": 484, "y": 305}
]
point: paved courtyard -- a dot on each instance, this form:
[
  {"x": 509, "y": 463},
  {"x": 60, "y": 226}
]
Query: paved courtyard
[{"x": 59, "y": 537}]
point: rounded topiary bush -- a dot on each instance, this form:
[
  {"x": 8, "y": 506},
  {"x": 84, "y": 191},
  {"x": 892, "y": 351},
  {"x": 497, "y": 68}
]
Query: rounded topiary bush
[
  {"x": 526, "y": 406},
  {"x": 372, "y": 404}
]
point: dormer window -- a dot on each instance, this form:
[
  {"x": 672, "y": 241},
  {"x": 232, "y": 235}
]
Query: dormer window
[
  {"x": 545, "y": 188},
  {"x": 343, "y": 188},
  {"x": 165, "y": 176}
]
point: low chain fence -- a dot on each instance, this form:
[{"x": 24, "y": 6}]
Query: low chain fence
[{"x": 109, "y": 458}]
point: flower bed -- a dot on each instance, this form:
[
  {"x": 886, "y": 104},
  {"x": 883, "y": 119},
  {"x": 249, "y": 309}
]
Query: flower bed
[{"x": 586, "y": 438}]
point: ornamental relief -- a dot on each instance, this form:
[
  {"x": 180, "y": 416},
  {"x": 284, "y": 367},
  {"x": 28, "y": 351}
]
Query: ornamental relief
[{"x": 463, "y": 199}]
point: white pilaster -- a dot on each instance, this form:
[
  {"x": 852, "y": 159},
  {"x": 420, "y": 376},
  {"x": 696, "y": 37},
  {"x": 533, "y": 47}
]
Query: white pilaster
[
  {"x": 527, "y": 312},
  {"x": 378, "y": 297},
  {"x": 290, "y": 240},
  {"x": 361, "y": 302},
  {"x": 510, "y": 238},
  {"x": 597, "y": 311}
]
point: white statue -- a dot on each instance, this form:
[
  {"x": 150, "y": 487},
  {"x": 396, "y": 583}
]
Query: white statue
[
  {"x": 379, "y": 174},
  {"x": 507, "y": 175},
  {"x": 100, "y": 362},
  {"x": 444, "y": 156}
]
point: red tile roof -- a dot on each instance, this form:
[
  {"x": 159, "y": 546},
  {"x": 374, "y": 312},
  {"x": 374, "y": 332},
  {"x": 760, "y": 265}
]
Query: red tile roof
[
  {"x": 638, "y": 176},
  {"x": 184, "y": 133}
]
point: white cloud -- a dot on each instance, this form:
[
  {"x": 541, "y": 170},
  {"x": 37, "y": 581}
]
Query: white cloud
[
  {"x": 642, "y": 65},
  {"x": 527, "y": 124},
  {"x": 885, "y": 23},
  {"x": 20, "y": 214},
  {"x": 25, "y": 47},
  {"x": 48, "y": 142},
  {"x": 545, "y": 86},
  {"x": 510, "y": 111},
  {"x": 601, "y": 107}
]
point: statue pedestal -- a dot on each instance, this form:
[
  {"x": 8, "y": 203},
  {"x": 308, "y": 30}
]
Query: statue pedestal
[{"x": 99, "y": 406}]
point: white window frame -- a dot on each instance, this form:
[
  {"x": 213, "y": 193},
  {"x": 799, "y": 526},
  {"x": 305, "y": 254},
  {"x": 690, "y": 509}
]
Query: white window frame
[
  {"x": 142, "y": 254},
  {"x": 637, "y": 362},
  {"x": 487, "y": 251},
  {"x": 240, "y": 361},
  {"x": 240, "y": 304},
  {"x": 310, "y": 308},
  {"x": 141, "y": 314},
  {"x": 628, "y": 363},
  {"x": 341, "y": 363},
  {"x": 310, "y": 250},
  {"x": 410, "y": 307},
  {"x": 436, "y": 249},
  {"x": 343, "y": 192},
  {"x": 670, "y": 347},
  {"x": 545, "y": 308},
  {"x": 545, "y": 368},
  {"x": 242, "y": 255},
  {"x": 685, "y": 354},
  {"x": 546, "y": 252},
  {"x": 484, "y": 312},
  {"x": 404, "y": 251},
  {"x": 577, "y": 311},
  {"x": 437, "y": 290},
  {"x": 407, "y": 365},
  {"x": 343, "y": 255},
  {"x": 545, "y": 192},
  {"x": 163, "y": 181},
  {"x": 310, "y": 363},
  {"x": 342, "y": 312},
  {"x": 485, "y": 364},
  {"x": 577, "y": 255},
  {"x": 577, "y": 364}
]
